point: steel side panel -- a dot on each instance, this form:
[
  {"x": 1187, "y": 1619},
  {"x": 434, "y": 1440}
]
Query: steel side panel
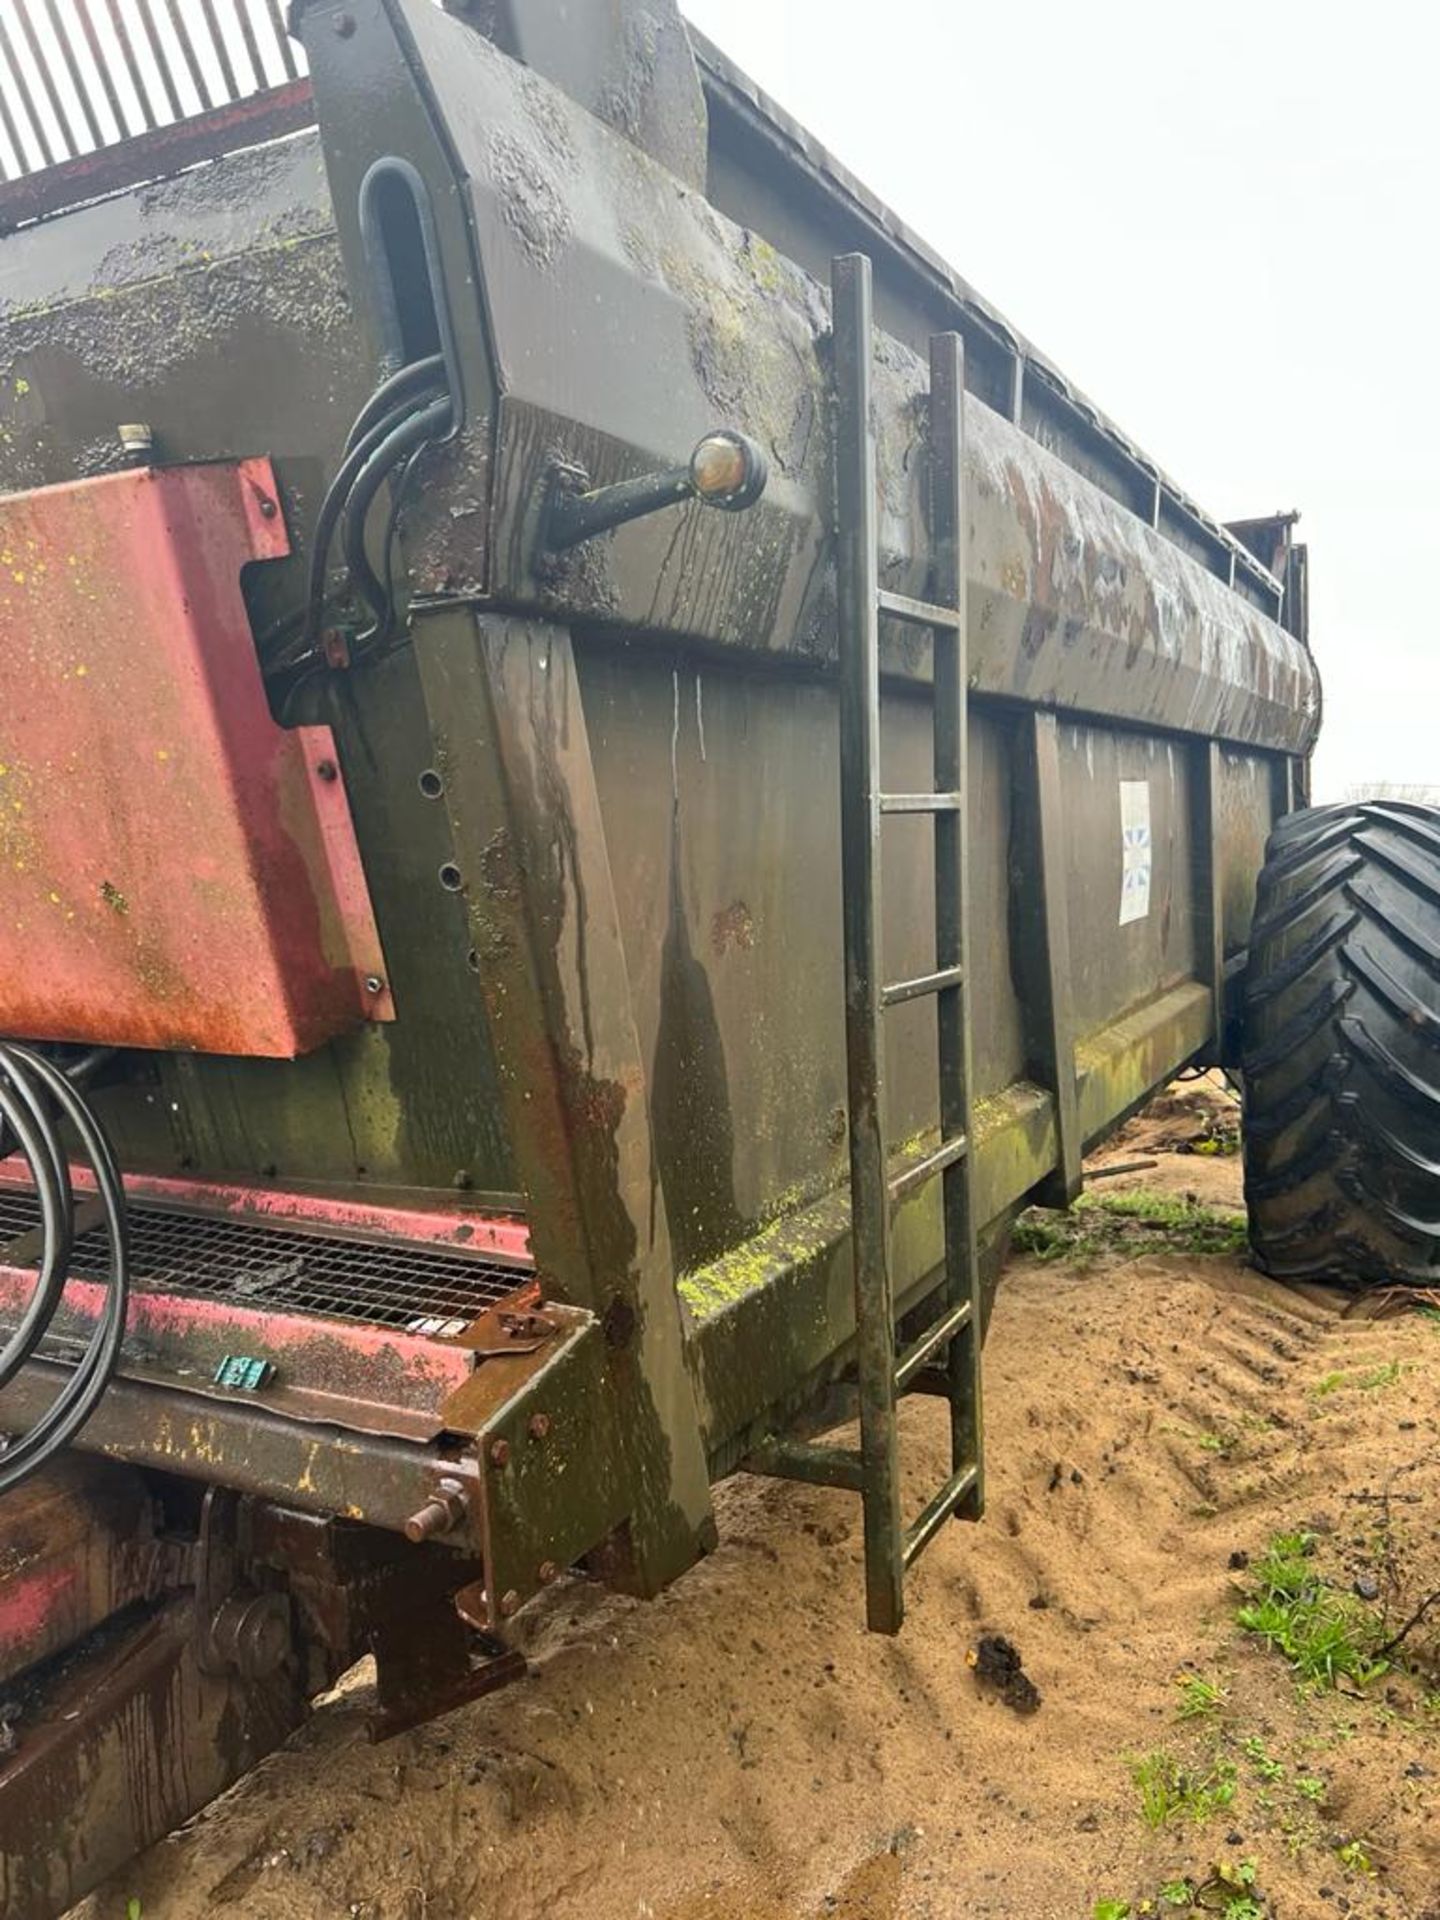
[
  {"x": 77, "y": 1548},
  {"x": 124, "y": 1747},
  {"x": 771, "y": 1317},
  {"x": 176, "y": 870}
]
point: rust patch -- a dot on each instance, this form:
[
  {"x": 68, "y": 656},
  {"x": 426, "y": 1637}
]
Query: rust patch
[
  {"x": 733, "y": 926},
  {"x": 173, "y": 872}
]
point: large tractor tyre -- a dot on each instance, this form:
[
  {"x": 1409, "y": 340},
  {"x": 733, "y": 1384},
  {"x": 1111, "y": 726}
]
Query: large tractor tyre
[{"x": 1342, "y": 1048}]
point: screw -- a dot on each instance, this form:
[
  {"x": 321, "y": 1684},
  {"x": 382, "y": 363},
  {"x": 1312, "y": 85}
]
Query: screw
[
  {"x": 539, "y": 1425},
  {"x": 509, "y": 1603},
  {"x": 499, "y": 1453},
  {"x": 373, "y": 983},
  {"x": 327, "y": 770},
  {"x": 268, "y": 508},
  {"x": 344, "y": 25},
  {"x": 548, "y": 1571}
]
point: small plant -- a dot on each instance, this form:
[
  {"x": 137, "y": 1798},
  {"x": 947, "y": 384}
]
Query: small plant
[
  {"x": 1370, "y": 1380},
  {"x": 1324, "y": 1635},
  {"x": 1355, "y": 1854},
  {"x": 1310, "y": 1788},
  {"x": 1265, "y": 1766},
  {"x": 1376, "y": 1377},
  {"x": 1198, "y": 1696},
  {"x": 1231, "y": 1891},
  {"x": 132, "y": 1908},
  {"x": 1237, "y": 1884},
  {"x": 1044, "y": 1239},
  {"x": 1169, "y": 1790},
  {"x": 1112, "y": 1910},
  {"x": 1178, "y": 1893}
]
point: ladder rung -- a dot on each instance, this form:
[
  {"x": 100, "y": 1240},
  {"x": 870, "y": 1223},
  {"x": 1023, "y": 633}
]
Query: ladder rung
[
  {"x": 802, "y": 1460},
  {"x": 899, "y": 990},
  {"x": 939, "y": 1511},
  {"x": 945, "y": 1155},
  {"x": 921, "y": 802},
  {"x": 918, "y": 613},
  {"x": 933, "y": 1338}
]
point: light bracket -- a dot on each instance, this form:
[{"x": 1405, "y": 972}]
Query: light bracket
[{"x": 727, "y": 470}]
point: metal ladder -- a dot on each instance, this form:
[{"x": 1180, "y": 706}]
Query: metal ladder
[{"x": 884, "y": 1372}]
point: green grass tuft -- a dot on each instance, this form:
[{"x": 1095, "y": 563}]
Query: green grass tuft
[
  {"x": 1126, "y": 1222},
  {"x": 1170, "y": 1791},
  {"x": 1325, "y": 1635},
  {"x": 1198, "y": 1696}
]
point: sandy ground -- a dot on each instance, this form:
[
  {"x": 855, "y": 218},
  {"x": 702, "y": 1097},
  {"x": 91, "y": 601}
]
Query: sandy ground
[{"x": 743, "y": 1750}]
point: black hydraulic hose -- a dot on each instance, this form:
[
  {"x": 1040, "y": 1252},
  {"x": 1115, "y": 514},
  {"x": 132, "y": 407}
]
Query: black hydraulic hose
[
  {"x": 29, "y": 1086},
  {"x": 334, "y": 503},
  {"x": 26, "y": 1124},
  {"x": 384, "y": 627},
  {"x": 396, "y": 448},
  {"x": 429, "y": 372}
]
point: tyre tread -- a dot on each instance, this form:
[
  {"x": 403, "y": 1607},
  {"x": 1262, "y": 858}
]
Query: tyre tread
[{"x": 1342, "y": 988}]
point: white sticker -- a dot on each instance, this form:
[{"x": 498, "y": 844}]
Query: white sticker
[{"x": 1134, "y": 850}]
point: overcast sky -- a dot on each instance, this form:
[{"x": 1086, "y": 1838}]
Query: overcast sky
[{"x": 1220, "y": 223}]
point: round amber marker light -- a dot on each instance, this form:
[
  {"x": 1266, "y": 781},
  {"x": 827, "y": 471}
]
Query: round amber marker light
[{"x": 719, "y": 467}]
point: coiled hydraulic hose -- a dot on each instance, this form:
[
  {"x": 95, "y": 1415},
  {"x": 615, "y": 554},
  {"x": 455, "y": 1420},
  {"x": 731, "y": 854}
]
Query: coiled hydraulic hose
[{"x": 36, "y": 1101}]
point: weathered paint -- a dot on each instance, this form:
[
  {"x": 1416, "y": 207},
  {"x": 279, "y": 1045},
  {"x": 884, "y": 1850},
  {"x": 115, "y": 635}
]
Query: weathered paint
[
  {"x": 178, "y": 871},
  {"x": 335, "y": 1372},
  {"x": 506, "y": 1236},
  {"x": 77, "y": 1547},
  {"x": 128, "y": 1743},
  {"x": 623, "y": 994}
]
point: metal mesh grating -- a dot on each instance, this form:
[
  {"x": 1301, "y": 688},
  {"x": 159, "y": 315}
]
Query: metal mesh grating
[
  {"x": 80, "y": 75},
  {"x": 383, "y": 1282}
]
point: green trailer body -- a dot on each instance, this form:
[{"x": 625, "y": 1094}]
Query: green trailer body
[{"x": 618, "y": 860}]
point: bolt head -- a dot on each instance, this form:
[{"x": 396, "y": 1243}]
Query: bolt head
[
  {"x": 539, "y": 1425},
  {"x": 373, "y": 983},
  {"x": 344, "y": 25},
  {"x": 327, "y": 770},
  {"x": 509, "y": 1603},
  {"x": 548, "y": 1571},
  {"x": 499, "y": 1453}
]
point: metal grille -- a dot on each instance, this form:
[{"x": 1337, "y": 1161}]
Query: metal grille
[
  {"x": 77, "y": 76},
  {"x": 383, "y": 1282}
]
